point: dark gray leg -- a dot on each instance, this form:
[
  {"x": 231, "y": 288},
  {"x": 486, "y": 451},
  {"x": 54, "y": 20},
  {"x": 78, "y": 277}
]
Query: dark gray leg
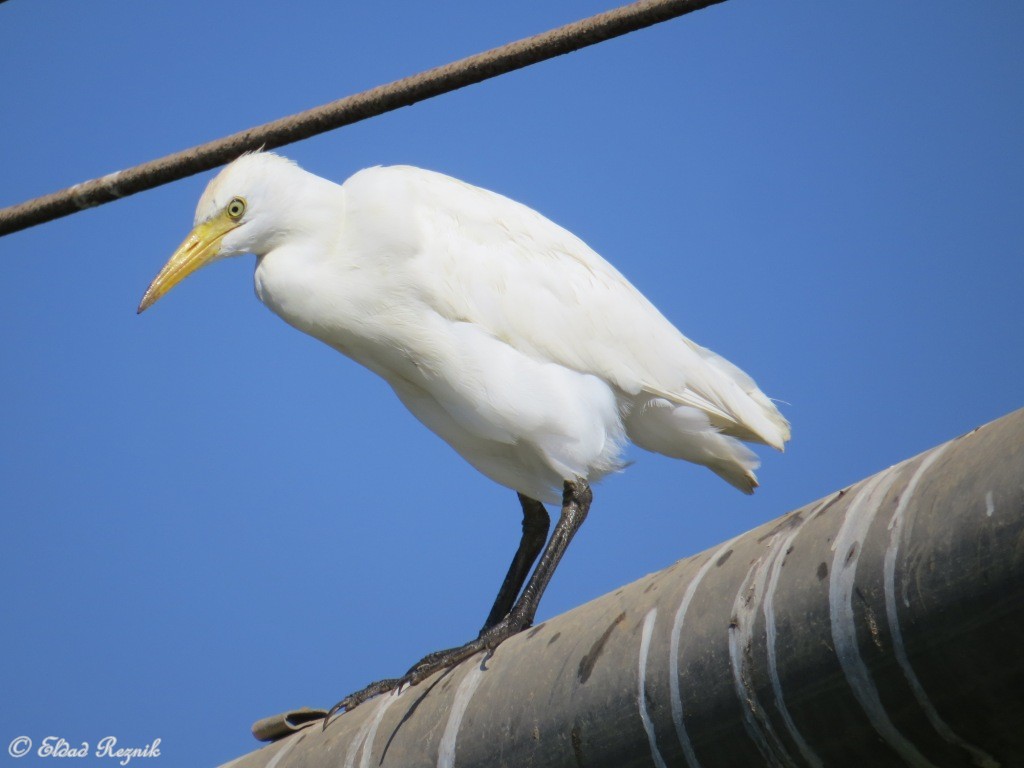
[
  {"x": 536, "y": 523},
  {"x": 576, "y": 498}
]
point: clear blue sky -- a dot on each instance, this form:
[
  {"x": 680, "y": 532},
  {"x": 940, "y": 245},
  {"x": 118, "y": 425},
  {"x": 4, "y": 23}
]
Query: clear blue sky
[{"x": 208, "y": 517}]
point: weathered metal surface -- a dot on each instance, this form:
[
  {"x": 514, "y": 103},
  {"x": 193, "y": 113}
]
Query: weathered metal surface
[{"x": 882, "y": 626}]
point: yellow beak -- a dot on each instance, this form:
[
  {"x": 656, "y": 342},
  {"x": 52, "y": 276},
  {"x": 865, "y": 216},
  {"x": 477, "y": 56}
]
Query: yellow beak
[{"x": 200, "y": 248}]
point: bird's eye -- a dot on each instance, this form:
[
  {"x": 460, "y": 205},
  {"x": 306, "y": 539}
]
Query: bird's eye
[{"x": 236, "y": 208}]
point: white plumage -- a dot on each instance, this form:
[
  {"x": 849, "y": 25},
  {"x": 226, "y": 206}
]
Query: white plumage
[{"x": 502, "y": 332}]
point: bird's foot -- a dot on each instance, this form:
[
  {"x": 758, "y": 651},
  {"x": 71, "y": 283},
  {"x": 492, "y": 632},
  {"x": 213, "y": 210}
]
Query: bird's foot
[
  {"x": 488, "y": 640},
  {"x": 353, "y": 700}
]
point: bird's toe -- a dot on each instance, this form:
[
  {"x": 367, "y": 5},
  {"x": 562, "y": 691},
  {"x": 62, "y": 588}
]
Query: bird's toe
[{"x": 353, "y": 700}]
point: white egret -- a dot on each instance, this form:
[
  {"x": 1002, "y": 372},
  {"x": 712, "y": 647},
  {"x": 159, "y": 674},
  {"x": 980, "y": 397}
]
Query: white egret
[{"x": 503, "y": 333}]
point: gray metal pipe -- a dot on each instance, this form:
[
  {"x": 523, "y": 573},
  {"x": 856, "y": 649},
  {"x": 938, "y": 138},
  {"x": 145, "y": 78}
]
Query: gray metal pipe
[{"x": 880, "y": 626}]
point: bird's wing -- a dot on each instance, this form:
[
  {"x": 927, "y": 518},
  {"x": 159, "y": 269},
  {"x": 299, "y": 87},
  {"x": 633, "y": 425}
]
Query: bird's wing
[{"x": 490, "y": 261}]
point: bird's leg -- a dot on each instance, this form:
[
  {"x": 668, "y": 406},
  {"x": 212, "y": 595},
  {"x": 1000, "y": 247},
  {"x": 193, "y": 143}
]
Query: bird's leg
[
  {"x": 576, "y": 498},
  {"x": 536, "y": 523}
]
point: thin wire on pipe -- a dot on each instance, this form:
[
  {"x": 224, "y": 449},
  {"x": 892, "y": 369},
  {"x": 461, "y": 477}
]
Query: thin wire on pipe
[{"x": 351, "y": 109}]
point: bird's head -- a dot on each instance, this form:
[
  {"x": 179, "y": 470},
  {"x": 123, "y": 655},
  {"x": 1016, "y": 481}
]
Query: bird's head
[{"x": 245, "y": 209}]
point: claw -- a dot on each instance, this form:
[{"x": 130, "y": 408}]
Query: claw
[
  {"x": 353, "y": 700},
  {"x": 332, "y": 712}
]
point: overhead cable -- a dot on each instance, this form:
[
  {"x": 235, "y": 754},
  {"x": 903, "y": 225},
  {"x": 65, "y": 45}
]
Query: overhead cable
[{"x": 348, "y": 110}]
